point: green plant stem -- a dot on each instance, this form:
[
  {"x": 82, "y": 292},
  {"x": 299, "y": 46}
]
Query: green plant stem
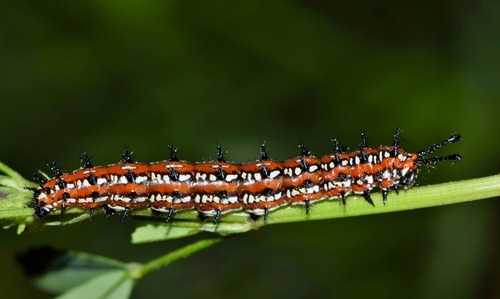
[
  {"x": 414, "y": 198},
  {"x": 177, "y": 254}
]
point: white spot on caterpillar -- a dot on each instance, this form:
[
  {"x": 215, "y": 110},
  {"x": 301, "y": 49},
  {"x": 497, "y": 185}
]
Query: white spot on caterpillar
[
  {"x": 184, "y": 177},
  {"x": 231, "y": 177},
  {"x": 101, "y": 199},
  {"x": 200, "y": 176},
  {"x": 141, "y": 179},
  {"x": 168, "y": 166},
  {"x": 118, "y": 197},
  {"x": 85, "y": 183},
  {"x": 140, "y": 199},
  {"x": 258, "y": 176},
  {"x": 117, "y": 208},
  {"x": 259, "y": 198},
  {"x": 128, "y": 167},
  {"x": 84, "y": 200},
  {"x": 258, "y": 212},
  {"x": 274, "y": 174},
  {"x": 206, "y": 198},
  {"x": 208, "y": 213}
]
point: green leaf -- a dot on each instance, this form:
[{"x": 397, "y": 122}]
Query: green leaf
[
  {"x": 56, "y": 271},
  {"x": 13, "y": 179},
  {"x": 115, "y": 284},
  {"x": 159, "y": 232},
  {"x": 14, "y": 199}
]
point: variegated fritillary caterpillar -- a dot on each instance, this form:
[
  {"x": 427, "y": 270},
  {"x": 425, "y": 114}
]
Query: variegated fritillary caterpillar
[{"x": 219, "y": 187}]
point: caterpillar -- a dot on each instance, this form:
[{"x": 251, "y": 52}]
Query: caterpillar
[{"x": 219, "y": 187}]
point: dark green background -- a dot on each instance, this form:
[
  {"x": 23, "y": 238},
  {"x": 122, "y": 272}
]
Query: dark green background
[{"x": 98, "y": 75}]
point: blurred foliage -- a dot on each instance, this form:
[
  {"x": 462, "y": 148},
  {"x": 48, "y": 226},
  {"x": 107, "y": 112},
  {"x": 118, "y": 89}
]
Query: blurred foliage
[{"x": 98, "y": 75}]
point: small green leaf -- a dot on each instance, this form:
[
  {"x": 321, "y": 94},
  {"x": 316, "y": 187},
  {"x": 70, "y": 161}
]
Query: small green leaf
[
  {"x": 160, "y": 232},
  {"x": 20, "y": 228},
  {"x": 13, "y": 179},
  {"x": 116, "y": 284},
  {"x": 56, "y": 271}
]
